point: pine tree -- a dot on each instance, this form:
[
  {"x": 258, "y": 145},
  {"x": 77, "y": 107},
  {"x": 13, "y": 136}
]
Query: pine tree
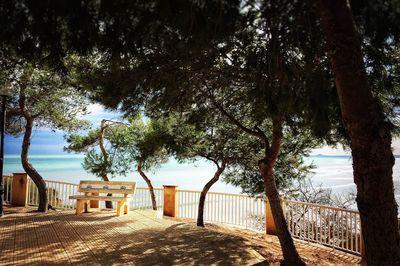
[{"x": 41, "y": 98}]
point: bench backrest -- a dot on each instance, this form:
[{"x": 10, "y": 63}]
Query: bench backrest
[{"x": 117, "y": 187}]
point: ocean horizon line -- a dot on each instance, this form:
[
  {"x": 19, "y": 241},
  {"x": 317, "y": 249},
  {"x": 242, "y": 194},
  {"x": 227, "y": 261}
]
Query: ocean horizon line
[
  {"x": 46, "y": 155},
  {"x": 83, "y": 155}
]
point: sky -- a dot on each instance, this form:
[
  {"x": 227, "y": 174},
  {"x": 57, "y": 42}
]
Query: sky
[{"x": 46, "y": 142}]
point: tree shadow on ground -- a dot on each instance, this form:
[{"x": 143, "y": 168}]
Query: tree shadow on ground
[
  {"x": 183, "y": 244},
  {"x": 104, "y": 239}
]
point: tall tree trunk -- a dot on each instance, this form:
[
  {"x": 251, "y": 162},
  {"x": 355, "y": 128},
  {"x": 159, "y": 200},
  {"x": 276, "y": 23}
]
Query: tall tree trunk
[
  {"x": 200, "y": 213},
  {"x": 369, "y": 134},
  {"x": 109, "y": 204},
  {"x": 103, "y": 150},
  {"x": 266, "y": 167},
  {"x": 30, "y": 170},
  {"x": 148, "y": 181}
]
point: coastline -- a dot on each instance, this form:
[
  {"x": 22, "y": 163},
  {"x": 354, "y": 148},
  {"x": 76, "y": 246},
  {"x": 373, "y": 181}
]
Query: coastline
[{"x": 332, "y": 171}]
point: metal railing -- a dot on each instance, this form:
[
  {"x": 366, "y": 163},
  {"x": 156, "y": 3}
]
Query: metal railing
[
  {"x": 223, "y": 208},
  {"x": 7, "y": 182},
  {"x": 334, "y": 227},
  {"x": 142, "y": 198},
  {"x": 58, "y": 193}
]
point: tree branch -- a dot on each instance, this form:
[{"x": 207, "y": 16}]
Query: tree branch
[
  {"x": 210, "y": 159},
  {"x": 257, "y": 133},
  {"x": 277, "y": 136},
  {"x": 22, "y": 103},
  {"x": 102, "y": 147}
]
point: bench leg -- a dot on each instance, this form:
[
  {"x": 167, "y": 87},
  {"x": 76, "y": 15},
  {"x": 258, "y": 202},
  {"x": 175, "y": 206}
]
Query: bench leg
[
  {"x": 94, "y": 203},
  {"x": 87, "y": 206},
  {"x": 79, "y": 206},
  {"x": 120, "y": 208},
  {"x": 126, "y": 208}
]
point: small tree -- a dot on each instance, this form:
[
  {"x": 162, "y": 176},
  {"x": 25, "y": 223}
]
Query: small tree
[
  {"x": 41, "y": 98},
  {"x": 289, "y": 169},
  {"x": 103, "y": 157},
  {"x": 213, "y": 139},
  {"x": 144, "y": 144},
  {"x": 210, "y": 136},
  {"x": 113, "y": 148}
]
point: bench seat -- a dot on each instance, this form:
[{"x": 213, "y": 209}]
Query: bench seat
[
  {"x": 91, "y": 190},
  {"x": 102, "y": 198}
]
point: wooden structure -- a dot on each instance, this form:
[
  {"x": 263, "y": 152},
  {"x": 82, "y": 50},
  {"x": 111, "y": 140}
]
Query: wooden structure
[
  {"x": 93, "y": 189},
  {"x": 170, "y": 201},
  {"x": 140, "y": 238},
  {"x": 314, "y": 223},
  {"x": 19, "y": 189}
]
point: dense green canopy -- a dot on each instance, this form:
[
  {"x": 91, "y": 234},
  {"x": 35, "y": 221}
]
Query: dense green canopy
[{"x": 271, "y": 68}]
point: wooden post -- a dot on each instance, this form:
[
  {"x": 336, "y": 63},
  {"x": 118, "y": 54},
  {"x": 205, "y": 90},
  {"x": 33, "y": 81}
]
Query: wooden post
[
  {"x": 269, "y": 218},
  {"x": 120, "y": 207},
  {"x": 170, "y": 201},
  {"x": 94, "y": 203},
  {"x": 80, "y": 205},
  {"x": 19, "y": 195},
  {"x": 126, "y": 208}
]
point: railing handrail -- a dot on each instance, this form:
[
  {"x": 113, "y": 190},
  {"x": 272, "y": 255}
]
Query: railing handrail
[
  {"x": 284, "y": 200},
  {"x": 61, "y": 182},
  {"x": 155, "y": 188},
  {"x": 227, "y": 194},
  {"x": 321, "y": 206},
  {"x": 216, "y": 193}
]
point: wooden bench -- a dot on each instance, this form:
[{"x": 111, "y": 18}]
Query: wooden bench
[{"x": 92, "y": 190}]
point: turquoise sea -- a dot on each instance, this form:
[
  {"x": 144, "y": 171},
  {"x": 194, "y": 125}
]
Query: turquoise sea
[
  {"x": 68, "y": 168},
  {"x": 333, "y": 172}
]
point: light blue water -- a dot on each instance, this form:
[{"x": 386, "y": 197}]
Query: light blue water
[
  {"x": 68, "y": 168},
  {"x": 336, "y": 172},
  {"x": 333, "y": 172}
]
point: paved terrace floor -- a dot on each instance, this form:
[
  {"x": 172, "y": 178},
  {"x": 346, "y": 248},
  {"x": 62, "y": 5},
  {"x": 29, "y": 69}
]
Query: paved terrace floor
[
  {"x": 140, "y": 238},
  {"x": 102, "y": 238}
]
